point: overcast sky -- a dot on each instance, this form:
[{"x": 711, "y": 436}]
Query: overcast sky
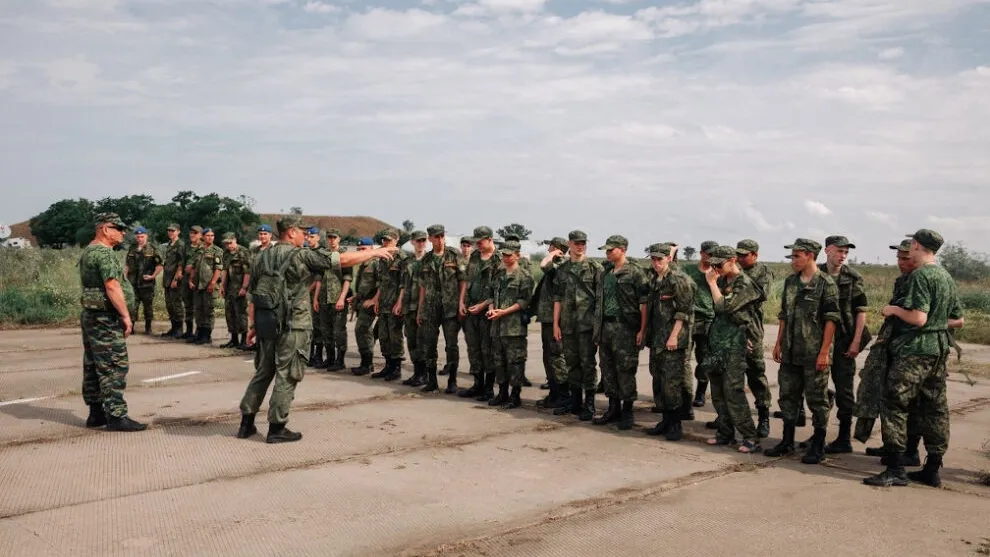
[{"x": 686, "y": 121}]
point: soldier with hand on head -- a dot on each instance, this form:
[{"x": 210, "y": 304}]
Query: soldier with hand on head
[
  {"x": 748, "y": 253},
  {"x": 233, "y": 288},
  {"x": 553, "y": 350},
  {"x": 175, "y": 255},
  {"x": 142, "y": 266}
]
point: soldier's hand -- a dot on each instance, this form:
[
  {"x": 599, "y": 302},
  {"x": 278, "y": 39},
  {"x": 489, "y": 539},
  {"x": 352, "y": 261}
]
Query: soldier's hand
[
  {"x": 672, "y": 343},
  {"x": 223, "y": 292},
  {"x": 316, "y": 305},
  {"x": 853, "y": 351},
  {"x": 340, "y": 305},
  {"x": 711, "y": 275},
  {"x": 640, "y": 336},
  {"x": 250, "y": 337},
  {"x": 210, "y": 288},
  {"x": 419, "y": 319},
  {"x": 557, "y": 334},
  {"x": 174, "y": 284},
  {"x": 242, "y": 292},
  {"x": 749, "y": 345},
  {"x": 777, "y": 350},
  {"x": 148, "y": 277},
  {"x": 462, "y": 310},
  {"x": 397, "y": 309},
  {"x": 367, "y": 304},
  {"x": 387, "y": 253},
  {"x": 821, "y": 363},
  {"x": 128, "y": 327}
]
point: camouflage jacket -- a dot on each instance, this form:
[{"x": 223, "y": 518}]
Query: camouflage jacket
[
  {"x": 410, "y": 284},
  {"x": 736, "y": 317},
  {"x": 763, "y": 277},
  {"x": 704, "y": 307},
  {"x": 545, "y": 292},
  {"x": 365, "y": 283},
  {"x": 98, "y": 264},
  {"x": 852, "y": 298},
  {"x": 576, "y": 284},
  {"x": 931, "y": 290},
  {"x": 389, "y": 279},
  {"x": 236, "y": 265},
  {"x": 208, "y": 260},
  {"x": 142, "y": 262},
  {"x": 631, "y": 289},
  {"x": 332, "y": 283},
  {"x": 441, "y": 277},
  {"x": 305, "y": 263},
  {"x": 191, "y": 254},
  {"x": 175, "y": 260},
  {"x": 505, "y": 290},
  {"x": 804, "y": 310},
  {"x": 479, "y": 276},
  {"x": 671, "y": 299}
]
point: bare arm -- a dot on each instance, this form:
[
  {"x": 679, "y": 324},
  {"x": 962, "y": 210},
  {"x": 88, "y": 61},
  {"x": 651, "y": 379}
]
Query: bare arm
[
  {"x": 116, "y": 295},
  {"x": 910, "y": 316}
]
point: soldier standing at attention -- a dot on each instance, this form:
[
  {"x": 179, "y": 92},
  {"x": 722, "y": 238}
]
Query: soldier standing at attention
[
  {"x": 280, "y": 353},
  {"x": 670, "y": 314},
  {"x": 467, "y": 246},
  {"x": 105, "y": 323},
  {"x": 410, "y": 308},
  {"x": 917, "y": 375},
  {"x": 510, "y": 293},
  {"x": 553, "y": 350},
  {"x": 188, "y": 284},
  {"x": 233, "y": 288},
  {"x": 850, "y": 337},
  {"x": 704, "y": 313},
  {"x": 365, "y": 304},
  {"x": 313, "y": 241},
  {"x": 206, "y": 274},
  {"x": 620, "y": 330},
  {"x": 482, "y": 266},
  {"x": 335, "y": 285},
  {"x": 441, "y": 287},
  {"x": 143, "y": 265},
  {"x": 390, "y": 309},
  {"x": 748, "y": 253},
  {"x": 172, "y": 282},
  {"x": 574, "y": 323},
  {"x": 809, "y": 316}
]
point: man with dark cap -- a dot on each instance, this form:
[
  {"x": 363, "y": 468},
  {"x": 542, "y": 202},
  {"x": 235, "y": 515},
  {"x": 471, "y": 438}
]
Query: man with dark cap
[
  {"x": 314, "y": 240},
  {"x": 482, "y": 265},
  {"x": 410, "y": 308},
  {"x": 334, "y": 288},
  {"x": 748, "y": 253},
  {"x": 188, "y": 284},
  {"x": 205, "y": 275},
  {"x": 467, "y": 246},
  {"x": 175, "y": 255},
  {"x": 233, "y": 289},
  {"x": 365, "y": 305},
  {"x": 704, "y": 313},
  {"x": 389, "y": 279},
  {"x": 142, "y": 266},
  {"x": 553, "y": 350},
  {"x": 509, "y": 295},
  {"x": 441, "y": 287}
]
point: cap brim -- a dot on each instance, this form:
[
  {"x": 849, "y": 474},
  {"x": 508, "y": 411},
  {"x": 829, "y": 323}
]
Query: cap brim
[
  {"x": 507, "y": 251},
  {"x": 844, "y": 245},
  {"x": 716, "y": 260},
  {"x": 657, "y": 254},
  {"x": 740, "y": 251},
  {"x": 898, "y": 248}
]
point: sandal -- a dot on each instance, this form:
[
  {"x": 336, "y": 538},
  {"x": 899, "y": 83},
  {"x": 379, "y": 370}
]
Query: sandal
[
  {"x": 748, "y": 446},
  {"x": 720, "y": 441}
]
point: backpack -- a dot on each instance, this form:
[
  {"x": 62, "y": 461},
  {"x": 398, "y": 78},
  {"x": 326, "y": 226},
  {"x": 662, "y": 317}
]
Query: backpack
[{"x": 272, "y": 307}]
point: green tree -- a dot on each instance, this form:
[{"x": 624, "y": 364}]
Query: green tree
[
  {"x": 296, "y": 210},
  {"x": 962, "y": 264},
  {"x": 130, "y": 208},
  {"x": 514, "y": 228},
  {"x": 59, "y": 225},
  {"x": 408, "y": 225},
  {"x": 689, "y": 252}
]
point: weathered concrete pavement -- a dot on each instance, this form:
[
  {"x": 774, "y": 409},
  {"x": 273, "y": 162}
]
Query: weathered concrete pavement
[{"x": 385, "y": 470}]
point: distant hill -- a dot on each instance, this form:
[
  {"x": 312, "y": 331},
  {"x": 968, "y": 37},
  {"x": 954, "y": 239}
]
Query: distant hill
[{"x": 363, "y": 226}]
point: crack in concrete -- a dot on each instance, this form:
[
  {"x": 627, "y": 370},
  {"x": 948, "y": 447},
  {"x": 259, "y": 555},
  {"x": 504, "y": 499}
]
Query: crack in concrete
[{"x": 141, "y": 362}]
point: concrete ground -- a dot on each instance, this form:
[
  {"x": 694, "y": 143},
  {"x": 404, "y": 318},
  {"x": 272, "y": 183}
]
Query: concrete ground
[{"x": 383, "y": 469}]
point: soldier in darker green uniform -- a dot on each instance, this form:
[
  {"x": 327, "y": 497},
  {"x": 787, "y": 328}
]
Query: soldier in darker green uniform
[
  {"x": 206, "y": 269},
  {"x": 334, "y": 288},
  {"x": 553, "y": 350},
  {"x": 704, "y": 313},
  {"x": 236, "y": 274},
  {"x": 188, "y": 282},
  {"x": 509, "y": 295},
  {"x": 389, "y": 279},
  {"x": 748, "y": 253},
  {"x": 175, "y": 255},
  {"x": 441, "y": 285},
  {"x": 482, "y": 266},
  {"x": 410, "y": 308},
  {"x": 364, "y": 303},
  {"x": 142, "y": 266}
]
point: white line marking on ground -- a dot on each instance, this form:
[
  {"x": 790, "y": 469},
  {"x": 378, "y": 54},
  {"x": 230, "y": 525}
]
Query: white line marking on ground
[
  {"x": 176, "y": 376},
  {"x": 23, "y": 400}
]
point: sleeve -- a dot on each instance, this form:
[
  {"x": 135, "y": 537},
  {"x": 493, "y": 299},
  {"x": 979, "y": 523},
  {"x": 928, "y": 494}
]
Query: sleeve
[
  {"x": 956, "y": 309},
  {"x": 830, "y": 303},
  {"x": 319, "y": 260},
  {"x": 246, "y": 262},
  {"x": 918, "y": 295},
  {"x": 110, "y": 267},
  {"x": 782, "y": 316},
  {"x": 159, "y": 258},
  {"x": 218, "y": 260},
  {"x": 859, "y": 301},
  {"x": 743, "y": 293},
  {"x": 461, "y": 269},
  {"x": 525, "y": 290},
  {"x": 558, "y": 285},
  {"x": 642, "y": 288},
  {"x": 683, "y": 298}
]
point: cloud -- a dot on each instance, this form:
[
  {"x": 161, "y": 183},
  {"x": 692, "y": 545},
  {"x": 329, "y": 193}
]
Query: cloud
[
  {"x": 817, "y": 208},
  {"x": 757, "y": 220},
  {"x": 883, "y": 218},
  {"x": 891, "y": 53},
  {"x": 320, "y": 7}
]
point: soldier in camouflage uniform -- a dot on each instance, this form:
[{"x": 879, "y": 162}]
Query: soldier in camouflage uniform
[
  {"x": 619, "y": 330},
  {"x": 283, "y": 359},
  {"x": 670, "y": 314},
  {"x": 410, "y": 308},
  {"x": 917, "y": 372},
  {"x": 441, "y": 286},
  {"x": 315, "y": 241},
  {"x": 105, "y": 324},
  {"x": 510, "y": 291},
  {"x": 142, "y": 266},
  {"x": 704, "y": 313},
  {"x": 188, "y": 283},
  {"x": 467, "y": 246},
  {"x": 553, "y": 350},
  {"x": 334, "y": 287},
  {"x": 364, "y": 303},
  {"x": 389, "y": 278},
  {"x": 175, "y": 256},
  {"x": 576, "y": 284},
  {"x": 233, "y": 288},
  {"x": 206, "y": 269},
  {"x": 482, "y": 266},
  {"x": 733, "y": 334},
  {"x": 809, "y": 317},
  {"x": 748, "y": 252}
]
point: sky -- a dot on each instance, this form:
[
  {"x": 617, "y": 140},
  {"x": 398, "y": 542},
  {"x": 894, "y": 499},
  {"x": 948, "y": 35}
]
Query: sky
[{"x": 661, "y": 121}]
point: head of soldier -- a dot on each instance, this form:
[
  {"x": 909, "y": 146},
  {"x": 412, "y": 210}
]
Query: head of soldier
[
  {"x": 265, "y": 235},
  {"x": 660, "y": 257},
  {"x": 747, "y": 253},
  {"x": 208, "y": 237},
  {"x": 389, "y": 238},
  {"x": 173, "y": 232},
  {"x": 905, "y": 263},
  {"x": 467, "y": 246},
  {"x": 510, "y": 253},
  {"x": 615, "y": 248},
  {"x": 418, "y": 240},
  {"x": 195, "y": 234},
  {"x": 365, "y": 243},
  {"x": 723, "y": 259},
  {"x": 438, "y": 237},
  {"x": 109, "y": 229},
  {"x": 290, "y": 231},
  {"x": 925, "y": 244},
  {"x": 558, "y": 244},
  {"x": 230, "y": 242},
  {"x": 837, "y": 251},
  {"x": 706, "y": 250},
  {"x": 804, "y": 252},
  {"x": 577, "y": 244},
  {"x": 313, "y": 237},
  {"x": 141, "y": 236},
  {"x": 333, "y": 239},
  {"x": 483, "y": 239}
]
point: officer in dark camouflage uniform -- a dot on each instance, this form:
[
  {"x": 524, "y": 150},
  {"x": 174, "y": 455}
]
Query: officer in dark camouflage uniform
[
  {"x": 748, "y": 252},
  {"x": 364, "y": 304},
  {"x": 314, "y": 240},
  {"x": 410, "y": 308},
  {"x": 105, "y": 324},
  {"x": 809, "y": 317},
  {"x": 553, "y": 350},
  {"x": 188, "y": 282},
  {"x": 207, "y": 267},
  {"x": 175, "y": 256},
  {"x": 334, "y": 289},
  {"x": 441, "y": 284},
  {"x": 236, "y": 275},
  {"x": 142, "y": 266},
  {"x": 620, "y": 330},
  {"x": 704, "y": 313},
  {"x": 510, "y": 292},
  {"x": 389, "y": 278},
  {"x": 482, "y": 266}
]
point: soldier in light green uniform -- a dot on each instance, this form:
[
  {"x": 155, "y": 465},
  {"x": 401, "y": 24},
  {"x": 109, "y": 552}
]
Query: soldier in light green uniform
[
  {"x": 142, "y": 266},
  {"x": 441, "y": 286},
  {"x": 364, "y": 303},
  {"x": 175, "y": 256},
  {"x": 748, "y": 252},
  {"x": 389, "y": 279},
  {"x": 233, "y": 288},
  {"x": 410, "y": 308},
  {"x": 105, "y": 324},
  {"x": 314, "y": 241},
  {"x": 205, "y": 275},
  {"x": 510, "y": 292},
  {"x": 704, "y": 313},
  {"x": 482, "y": 266},
  {"x": 334, "y": 287},
  {"x": 553, "y": 350},
  {"x": 188, "y": 282},
  {"x": 283, "y": 358}
]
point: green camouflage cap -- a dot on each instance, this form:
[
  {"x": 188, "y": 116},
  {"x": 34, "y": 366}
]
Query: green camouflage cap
[
  {"x": 390, "y": 234},
  {"x": 417, "y": 235},
  {"x": 196, "y": 228},
  {"x": 174, "y": 226},
  {"x": 559, "y": 243},
  {"x": 289, "y": 221},
  {"x": 229, "y": 237},
  {"x": 905, "y": 245},
  {"x": 109, "y": 218},
  {"x": 436, "y": 230},
  {"x": 745, "y": 247},
  {"x": 707, "y": 246},
  {"x": 721, "y": 254},
  {"x": 615, "y": 241},
  {"x": 839, "y": 242},
  {"x": 658, "y": 250},
  {"x": 928, "y": 239},
  {"x": 483, "y": 232},
  {"x": 509, "y": 247},
  {"x": 577, "y": 236},
  {"x": 805, "y": 244},
  {"x": 468, "y": 240}
]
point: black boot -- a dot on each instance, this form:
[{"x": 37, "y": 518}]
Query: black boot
[
  {"x": 699, "y": 394},
  {"x": 147, "y": 326},
  {"x": 894, "y": 475},
  {"x": 687, "y": 407},
  {"x": 802, "y": 419},
  {"x": 319, "y": 363},
  {"x": 503, "y": 395},
  {"x": 193, "y": 338},
  {"x": 786, "y": 445},
  {"x": 929, "y": 474},
  {"x": 763, "y": 424},
  {"x": 676, "y": 432},
  {"x": 626, "y": 416},
  {"x": 601, "y": 387},
  {"x": 384, "y": 371},
  {"x": 475, "y": 389},
  {"x": 206, "y": 338},
  {"x": 444, "y": 370},
  {"x": 431, "y": 380},
  {"x": 243, "y": 344},
  {"x": 395, "y": 373},
  {"x": 712, "y": 424},
  {"x": 124, "y": 423},
  {"x": 247, "y": 428},
  {"x": 663, "y": 426},
  {"x": 338, "y": 362},
  {"x": 189, "y": 331},
  {"x": 563, "y": 396},
  {"x": 514, "y": 400},
  {"x": 841, "y": 444},
  {"x": 365, "y": 367},
  {"x": 573, "y": 405},
  {"x": 278, "y": 433},
  {"x": 451, "y": 382},
  {"x": 488, "y": 389},
  {"x": 169, "y": 332},
  {"x": 312, "y": 354},
  {"x": 816, "y": 447},
  {"x": 547, "y": 401},
  {"x": 230, "y": 343},
  {"x": 97, "y": 417},
  {"x": 419, "y": 373},
  {"x": 588, "y": 412},
  {"x": 177, "y": 332},
  {"x": 526, "y": 382},
  {"x": 611, "y": 415},
  {"x": 911, "y": 456}
]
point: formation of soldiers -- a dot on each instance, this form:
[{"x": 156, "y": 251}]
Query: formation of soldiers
[{"x": 712, "y": 310}]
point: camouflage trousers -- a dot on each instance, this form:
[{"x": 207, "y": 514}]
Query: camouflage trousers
[
  {"x": 728, "y": 383},
  {"x": 433, "y": 321},
  {"x": 105, "y": 362},
  {"x": 412, "y": 335},
  {"x": 333, "y": 325},
  {"x": 203, "y": 308},
  {"x": 173, "y": 304},
  {"x": 317, "y": 325},
  {"x": 143, "y": 298},
  {"x": 756, "y": 374},
  {"x": 390, "y": 335},
  {"x": 510, "y": 359},
  {"x": 364, "y": 335},
  {"x": 579, "y": 356},
  {"x": 795, "y": 382},
  {"x": 235, "y": 312},
  {"x": 619, "y": 359},
  {"x": 916, "y": 383},
  {"x": 188, "y": 301},
  {"x": 669, "y": 379},
  {"x": 699, "y": 339},
  {"x": 284, "y": 360},
  {"x": 553, "y": 355},
  {"x": 843, "y": 374},
  {"x": 477, "y": 334},
  {"x": 869, "y": 394}
]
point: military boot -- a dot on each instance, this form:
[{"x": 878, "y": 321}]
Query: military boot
[
  {"x": 663, "y": 426},
  {"x": 563, "y": 396},
  {"x": 384, "y": 371},
  {"x": 786, "y": 445},
  {"x": 841, "y": 444},
  {"x": 147, "y": 326},
  {"x": 488, "y": 389},
  {"x": 687, "y": 407},
  {"x": 763, "y": 424},
  {"x": 169, "y": 332},
  {"x": 547, "y": 401},
  {"x": 574, "y": 405},
  {"x": 894, "y": 475},
  {"x": 418, "y": 378},
  {"x": 338, "y": 362},
  {"x": 312, "y": 354},
  {"x": 278, "y": 433},
  {"x": 193, "y": 337},
  {"x": 244, "y": 345},
  {"x": 445, "y": 370},
  {"x": 699, "y": 394},
  {"x": 365, "y": 367},
  {"x": 676, "y": 431},
  {"x": 514, "y": 400},
  {"x": 189, "y": 331},
  {"x": 97, "y": 417},
  {"x": 395, "y": 372},
  {"x": 318, "y": 362},
  {"x": 929, "y": 474},
  {"x": 601, "y": 387},
  {"x": 431, "y": 380},
  {"x": 611, "y": 415},
  {"x": 230, "y": 343},
  {"x": 816, "y": 447},
  {"x": 207, "y": 339},
  {"x": 177, "y": 332},
  {"x": 588, "y": 412},
  {"x": 124, "y": 423},
  {"x": 451, "y": 382},
  {"x": 526, "y": 382},
  {"x": 801, "y": 420},
  {"x": 626, "y": 415},
  {"x": 247, "y": 428},
  {"x": 503, "y": 395},
  {"x": 475, "y": 389},
  {"x": 911, "y": 456}
]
